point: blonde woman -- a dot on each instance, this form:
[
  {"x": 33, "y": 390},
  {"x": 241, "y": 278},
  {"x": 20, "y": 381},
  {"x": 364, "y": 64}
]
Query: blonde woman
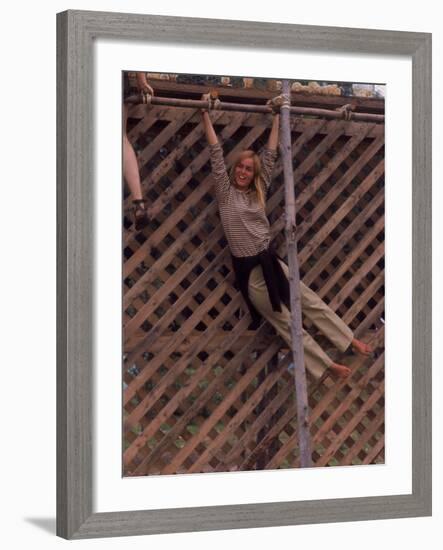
[{"x": 261, "y": 275}]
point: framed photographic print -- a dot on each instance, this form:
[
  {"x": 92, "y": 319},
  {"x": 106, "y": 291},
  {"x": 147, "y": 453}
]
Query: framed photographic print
[{"x": 177, "y": 237}]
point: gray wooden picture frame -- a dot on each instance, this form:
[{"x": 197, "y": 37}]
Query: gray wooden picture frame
[{"x": 76, "y": 32}]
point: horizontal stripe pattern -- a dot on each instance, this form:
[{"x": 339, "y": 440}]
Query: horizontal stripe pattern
[{"x": 243, "y": 218}]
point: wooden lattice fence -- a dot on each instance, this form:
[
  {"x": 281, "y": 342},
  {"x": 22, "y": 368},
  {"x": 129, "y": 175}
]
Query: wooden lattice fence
[{"x": 201, "y": 392}]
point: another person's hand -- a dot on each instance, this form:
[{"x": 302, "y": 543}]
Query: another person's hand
[{"x": 143, "y": 85}]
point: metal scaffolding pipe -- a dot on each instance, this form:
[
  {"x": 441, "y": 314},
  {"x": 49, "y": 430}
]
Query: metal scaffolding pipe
[
  {"x": 246, "y": 108},
  {"x": 294, "y": 285}
]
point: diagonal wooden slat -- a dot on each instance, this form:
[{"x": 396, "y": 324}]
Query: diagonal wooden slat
[
  {"x": 224, "y": 405},
  {"x": 375, "y": 426},
  {"x": 163, "y": 137},
  {"x": 211, "y": 388},
  {"x": 308, "y": 192},
  {"x": 285, "y": 449},
  {"x": 251, "y": 403},
  {"x": 165, "y": 259},
  {"x": 339, "y": 243},
  {"x": 186, "y": 329},
  {"x": 376, "y": 450},
  {"x": 341, "y": 212},
  {"x": 185, "y": 391}
]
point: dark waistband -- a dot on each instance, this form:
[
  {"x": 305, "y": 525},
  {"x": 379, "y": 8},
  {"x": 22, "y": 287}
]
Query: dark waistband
[{"x": 275, "y": 278}]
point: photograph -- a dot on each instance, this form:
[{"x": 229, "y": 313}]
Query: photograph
[{"x": 213, "y": 281}]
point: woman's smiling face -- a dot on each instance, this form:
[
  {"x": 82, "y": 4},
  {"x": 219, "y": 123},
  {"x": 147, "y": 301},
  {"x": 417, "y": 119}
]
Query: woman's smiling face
[{"x": 244, "y": 173}]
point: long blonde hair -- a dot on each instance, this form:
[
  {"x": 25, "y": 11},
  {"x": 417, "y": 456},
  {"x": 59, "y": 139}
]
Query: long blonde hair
[{"x": 258, "y": 180}]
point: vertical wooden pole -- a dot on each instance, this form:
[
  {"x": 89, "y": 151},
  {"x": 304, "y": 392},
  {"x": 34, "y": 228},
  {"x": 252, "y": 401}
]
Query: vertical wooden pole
[
  {"x": 270, "y": 449},
  {"x": 294, "y": 283},
  {"x": 261, "y": 458}
]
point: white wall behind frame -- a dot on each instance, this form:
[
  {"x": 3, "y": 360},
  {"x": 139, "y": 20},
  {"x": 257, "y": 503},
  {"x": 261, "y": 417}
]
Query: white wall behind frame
[{"x": 28, "y": 214}]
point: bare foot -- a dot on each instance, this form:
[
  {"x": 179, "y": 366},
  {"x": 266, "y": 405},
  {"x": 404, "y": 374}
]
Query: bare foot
[
  {"x": 361, "y": 348},
  {"x": 340, "y": 370}
]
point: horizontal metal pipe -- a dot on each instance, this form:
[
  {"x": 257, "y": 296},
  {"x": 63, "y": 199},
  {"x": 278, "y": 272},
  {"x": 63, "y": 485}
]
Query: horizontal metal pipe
[{"x": 246, "y": 108}]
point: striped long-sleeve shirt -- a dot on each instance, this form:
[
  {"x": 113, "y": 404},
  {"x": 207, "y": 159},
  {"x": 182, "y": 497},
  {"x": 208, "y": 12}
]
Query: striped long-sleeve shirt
[{"x": 243, "y": 218}]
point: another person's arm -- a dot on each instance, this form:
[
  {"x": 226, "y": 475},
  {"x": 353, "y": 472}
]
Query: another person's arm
[
  {"x": 131, "y": 171},
  {"x": 142, "y": 83}
]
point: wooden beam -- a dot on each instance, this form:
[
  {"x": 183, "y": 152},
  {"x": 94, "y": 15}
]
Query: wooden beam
[
  {"x": 251, "y": 108},
  {"x": 183, "y": 90},
  {"x": 294, "y": 284}
]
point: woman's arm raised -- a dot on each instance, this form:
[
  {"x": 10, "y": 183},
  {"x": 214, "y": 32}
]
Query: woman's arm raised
[
  {"x": 269, "y": 153},
  {"x": 273, "y": 135},
  {"x": 211, "y": 136},
  {"x": 219, "y": 172}
]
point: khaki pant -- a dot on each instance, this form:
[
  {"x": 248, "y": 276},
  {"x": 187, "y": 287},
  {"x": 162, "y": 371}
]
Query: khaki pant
[{"x": 328, "y": 322}]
